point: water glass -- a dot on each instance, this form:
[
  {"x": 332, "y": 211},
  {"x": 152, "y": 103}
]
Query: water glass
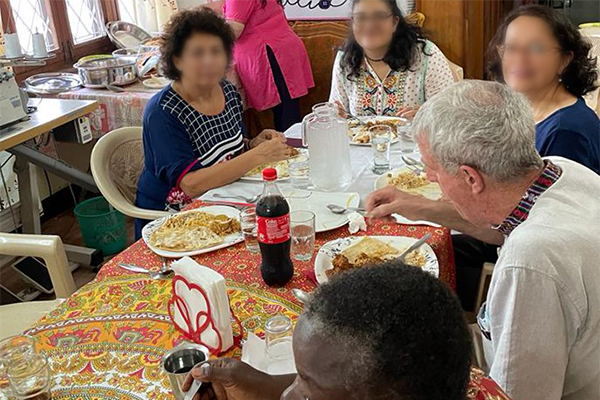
[
  {"x": 303, "y": 234},
  {"x": 381, "y": 138},
  {"x": 13, "y": 349},
  {"x": 278, "y": 336},
  {"x": 407, "y": 141},
  {"x": 249, "y": 228},
  {"x": 31, "y": 379},
  {"x": 299, "y": 171}
]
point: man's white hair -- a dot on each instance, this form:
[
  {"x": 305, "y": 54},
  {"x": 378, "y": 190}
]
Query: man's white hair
[{"x": 484, "y": 125}]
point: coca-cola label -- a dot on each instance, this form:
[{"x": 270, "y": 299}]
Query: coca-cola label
[{"x": 273, "y": 230}]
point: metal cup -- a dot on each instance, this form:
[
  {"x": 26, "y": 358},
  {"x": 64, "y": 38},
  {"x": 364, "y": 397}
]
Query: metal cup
[{"x": 179, "y": 361}]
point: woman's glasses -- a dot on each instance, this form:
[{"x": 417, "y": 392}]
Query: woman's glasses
[
  {"x": 361, "y": 19},
  {"x": 534, "y": 50}
]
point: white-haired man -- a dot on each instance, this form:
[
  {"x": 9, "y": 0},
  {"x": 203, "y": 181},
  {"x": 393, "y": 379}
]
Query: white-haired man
[{"x": 542, "y": 316}]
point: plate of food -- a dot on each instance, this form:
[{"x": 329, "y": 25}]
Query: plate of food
[
  {"x": 409, "y": 181},
  {"x": 359, "y": 134},
  {"x": 194, "y": 232},
  {"x": 282, "y": 167},
  {"x": 345, "y": 254}
]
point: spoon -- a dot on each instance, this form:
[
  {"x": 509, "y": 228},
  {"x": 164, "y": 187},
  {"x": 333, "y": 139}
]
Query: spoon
[
  {"x": 162, "y": 274},
  {"x": 249, "y": 200},
  {"x": 301, "y": 295},
  {"x": 340, "y": 210},
  {"x": 115, "y": 89},
  {"x": 414, "y": 247}
]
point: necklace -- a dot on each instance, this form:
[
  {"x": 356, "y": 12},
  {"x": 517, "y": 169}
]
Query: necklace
[{"x": 374, "y": 59}]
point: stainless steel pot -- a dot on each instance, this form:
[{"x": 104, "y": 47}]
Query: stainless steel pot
[{"x": 107, "y": 71}]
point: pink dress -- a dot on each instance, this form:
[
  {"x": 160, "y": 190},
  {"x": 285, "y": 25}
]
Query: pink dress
[{"x": 267, "y": 26}]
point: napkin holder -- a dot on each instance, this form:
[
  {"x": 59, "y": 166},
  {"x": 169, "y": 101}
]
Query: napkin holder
[{"x": 199, "y": 307}]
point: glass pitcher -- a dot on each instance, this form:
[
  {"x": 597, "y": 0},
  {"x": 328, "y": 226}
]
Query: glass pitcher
[{"x": 325, "y": 133}]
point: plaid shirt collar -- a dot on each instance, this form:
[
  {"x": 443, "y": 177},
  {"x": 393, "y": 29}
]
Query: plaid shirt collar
[{"x": 546, "y": 179}]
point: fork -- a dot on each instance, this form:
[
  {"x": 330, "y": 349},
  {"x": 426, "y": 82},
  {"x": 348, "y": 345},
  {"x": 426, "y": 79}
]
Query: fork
[{"x": 249, "y": 200}]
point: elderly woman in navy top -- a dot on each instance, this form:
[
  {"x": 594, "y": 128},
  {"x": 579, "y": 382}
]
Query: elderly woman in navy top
[
  {"x": 537, "y": 51},
  {"x": 192, "y": 130}
]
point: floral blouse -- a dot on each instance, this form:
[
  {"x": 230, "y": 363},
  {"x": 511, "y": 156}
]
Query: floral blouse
[{"x": 366, "y": 94}]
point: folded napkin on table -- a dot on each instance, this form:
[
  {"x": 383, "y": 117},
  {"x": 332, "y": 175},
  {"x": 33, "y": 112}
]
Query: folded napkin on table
[
  {"x": 357, "y": 223},
  {"x": 254, "y": 353},
  {"x": 200, "y": 306}
]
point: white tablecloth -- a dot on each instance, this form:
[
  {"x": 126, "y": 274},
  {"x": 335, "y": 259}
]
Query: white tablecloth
[{"x": 363, "y": 179}]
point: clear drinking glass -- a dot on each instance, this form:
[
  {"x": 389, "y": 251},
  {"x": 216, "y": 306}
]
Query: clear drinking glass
[
  {"x": 31, "y": 379},
  {"x": 303, "y": 234},
  {"x": 13, "y": 349},
  {"x": 249, "y": 228},
  {"x": 299, "y": 169},
  {"x": 278, "y": 335},
  {"x": 407, "y": 141},
  {"x": 381, "y": 138}
]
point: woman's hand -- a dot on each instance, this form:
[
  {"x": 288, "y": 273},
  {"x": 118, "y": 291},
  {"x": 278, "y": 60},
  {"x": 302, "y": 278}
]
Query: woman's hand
[
  {"x": 407, "y": 112},
  {"x": 265, "y": 135},
  {"x": 229, "y": 379},
  {"x": 273, "y": 150}
]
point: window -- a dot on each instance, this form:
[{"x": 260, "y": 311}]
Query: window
[
  {"x": 72, "y": 28},
  {"x": 33, "y": 16},
  {"x": 81, "y": 13},
  {"x": 127, "y": 11}
]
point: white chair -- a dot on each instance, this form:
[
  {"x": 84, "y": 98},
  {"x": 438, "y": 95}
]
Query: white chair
[
  {"x": 116, "y": 162},
  {"x": 15, "y": 318}
]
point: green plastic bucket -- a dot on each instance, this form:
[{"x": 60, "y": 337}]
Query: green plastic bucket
[{"x": 102, "y": 227}]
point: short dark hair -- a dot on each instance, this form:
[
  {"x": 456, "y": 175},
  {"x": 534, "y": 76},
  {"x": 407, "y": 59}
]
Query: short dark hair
[
  {"x": 409, "y": 322},
  {"x": 182, "y": 26},
  {"x": 408, "y": 39},
  {"x": 580, "y": 75}
]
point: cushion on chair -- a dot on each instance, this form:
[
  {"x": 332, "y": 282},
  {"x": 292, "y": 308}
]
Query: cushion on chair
[
  {"x": 126, "y": 163},
  {"x": 16, "y": 318}
]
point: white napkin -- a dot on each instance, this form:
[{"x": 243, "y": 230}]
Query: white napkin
[
  {"x": 254, "y": 354},
  {"x": 201, "y": 306},
  {"x": 357, "y": 223}
]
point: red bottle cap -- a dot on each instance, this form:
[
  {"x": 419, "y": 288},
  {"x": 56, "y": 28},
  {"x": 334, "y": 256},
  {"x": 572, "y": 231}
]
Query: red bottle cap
[{"x": 269, "y": 174}]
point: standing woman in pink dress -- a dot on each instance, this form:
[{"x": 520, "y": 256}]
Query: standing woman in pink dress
[{"x": 270, "y": 59}]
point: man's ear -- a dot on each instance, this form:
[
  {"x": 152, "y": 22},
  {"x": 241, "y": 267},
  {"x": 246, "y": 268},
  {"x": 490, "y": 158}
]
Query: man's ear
[{"x": 472, "y": 178}]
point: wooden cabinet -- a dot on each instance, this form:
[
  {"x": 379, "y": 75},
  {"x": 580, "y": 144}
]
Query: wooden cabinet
[{"x": 463, "y": 29}]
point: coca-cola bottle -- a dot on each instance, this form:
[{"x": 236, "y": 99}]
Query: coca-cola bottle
[{"x": 273, "y": 226}]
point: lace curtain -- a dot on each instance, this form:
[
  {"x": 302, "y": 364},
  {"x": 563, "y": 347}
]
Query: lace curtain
[{"x": 149, "y": 14}]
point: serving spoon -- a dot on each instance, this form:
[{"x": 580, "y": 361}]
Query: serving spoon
[{"x": 340, "y": 210}]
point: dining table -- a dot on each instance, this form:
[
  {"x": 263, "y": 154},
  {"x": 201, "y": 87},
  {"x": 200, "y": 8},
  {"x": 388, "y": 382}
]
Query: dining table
[{"x": 106, "y": 340}]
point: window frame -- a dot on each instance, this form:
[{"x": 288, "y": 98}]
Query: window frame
[{"x": 68, "y": 52}]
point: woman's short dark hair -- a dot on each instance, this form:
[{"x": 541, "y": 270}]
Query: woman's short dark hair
[
  {"x": 182, "y": 26},
  {"x": 580, "y": 75},
  {"x": 407, "y": 40}
]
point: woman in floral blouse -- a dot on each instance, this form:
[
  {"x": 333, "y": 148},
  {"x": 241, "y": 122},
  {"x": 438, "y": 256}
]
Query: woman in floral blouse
[{"x": 386, "y": 66}]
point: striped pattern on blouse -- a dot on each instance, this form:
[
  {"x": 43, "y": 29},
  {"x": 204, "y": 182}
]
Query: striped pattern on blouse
[{"x": 215, "y": 138}]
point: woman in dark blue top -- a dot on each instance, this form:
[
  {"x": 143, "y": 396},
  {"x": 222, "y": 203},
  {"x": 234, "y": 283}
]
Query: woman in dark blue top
[
  {"x": 192, "y": 130},
  {"x": 572, "y": 132},
  {"x": 540, "y": 53}
]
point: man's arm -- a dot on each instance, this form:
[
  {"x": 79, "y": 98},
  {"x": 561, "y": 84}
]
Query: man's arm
[
  {"x": 384, "y": 202},
  {"x": 231, "y": 379}
]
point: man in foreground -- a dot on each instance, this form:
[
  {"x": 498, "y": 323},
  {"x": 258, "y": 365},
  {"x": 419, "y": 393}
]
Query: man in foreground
[
  {"x": 387, "y": 332},
  {"x": 542, "y": 317}
]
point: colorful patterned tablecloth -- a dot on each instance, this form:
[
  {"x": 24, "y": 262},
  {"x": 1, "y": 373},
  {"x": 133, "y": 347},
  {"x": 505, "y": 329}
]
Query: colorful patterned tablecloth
[{"x": 106, "y": 341}]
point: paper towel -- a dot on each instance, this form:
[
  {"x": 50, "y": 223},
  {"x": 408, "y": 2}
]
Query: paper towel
[{"x": 200, "y": 306}]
